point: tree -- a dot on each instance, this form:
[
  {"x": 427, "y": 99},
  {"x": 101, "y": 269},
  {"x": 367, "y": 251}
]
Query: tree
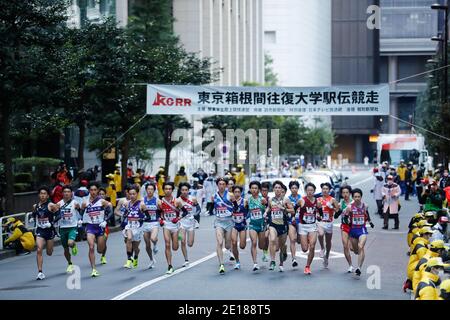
[
  {"x": 29, "y": 40},
  {"x": 270, "y": 77}
]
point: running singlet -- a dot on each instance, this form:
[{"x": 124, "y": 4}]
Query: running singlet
[
  {"x": 358, "y": 216},
  {"x": 43, "y": 215},
  {"x": 277, "y": 211},
  {"x": 168, "y": 209},
  {"x": 294, "y": 202},
  {"x": 328, "y": 213},
  {"x": 308, "y": 212},
  {"x": 189, "y": 205},
  {"x": 223, "y": 206},
  {"x": 69, "y": 215},
  {"x": 95, "y": 213},
  {"x": 239, "y": 216},
  {"x": 256, "y": 209},
  {"x": 344, "y": 206},
  {"x": 135, "y": 216},
  {"x": 152, "y": 209}
]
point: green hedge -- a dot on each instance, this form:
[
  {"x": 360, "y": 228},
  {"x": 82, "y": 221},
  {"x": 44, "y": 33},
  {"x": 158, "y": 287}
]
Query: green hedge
[
  {"x": 39, "y": 168},
  {"x": 23, "y": 177},
  {"x": 22, "y": 187}
]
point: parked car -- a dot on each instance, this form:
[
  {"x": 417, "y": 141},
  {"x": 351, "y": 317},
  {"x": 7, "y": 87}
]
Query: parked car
[{"x": 319, "y": 177}]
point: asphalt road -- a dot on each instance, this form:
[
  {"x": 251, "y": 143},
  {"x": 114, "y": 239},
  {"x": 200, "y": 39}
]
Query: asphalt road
[{"x": 385, "y": 256}]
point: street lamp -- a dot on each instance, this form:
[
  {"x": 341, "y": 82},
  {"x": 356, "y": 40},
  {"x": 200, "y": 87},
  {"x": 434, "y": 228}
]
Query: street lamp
[{"x": 444, "y": 7}]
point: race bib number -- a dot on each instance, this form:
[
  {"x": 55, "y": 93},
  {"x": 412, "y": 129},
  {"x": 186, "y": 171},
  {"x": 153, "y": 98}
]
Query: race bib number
[
  {"x": 170, "y": 216},
  {"x": 134, "y": 223},
  {"x": 358, "y": 220},
  {"x": 42, "y": 221},
  {"x": 222, "y": 212},
  {"x": 277, "y": 215},
  {"x": 256, "y": 214},
  {"x": 326, "y": 216},
  {"x": 238, "y": 218},
  {"x": 309, "y": 218},
  {"x": 95, "y": 219}
]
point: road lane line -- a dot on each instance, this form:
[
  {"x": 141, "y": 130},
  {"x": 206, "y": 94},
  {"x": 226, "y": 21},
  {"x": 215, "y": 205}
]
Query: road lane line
[{"x": 153, "y": 281}]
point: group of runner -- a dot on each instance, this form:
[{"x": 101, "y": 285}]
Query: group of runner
[{"x": 268, "y": 221}]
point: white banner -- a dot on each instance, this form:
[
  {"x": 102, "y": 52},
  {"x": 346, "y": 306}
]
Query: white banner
[{"x": 268, "y": 101}]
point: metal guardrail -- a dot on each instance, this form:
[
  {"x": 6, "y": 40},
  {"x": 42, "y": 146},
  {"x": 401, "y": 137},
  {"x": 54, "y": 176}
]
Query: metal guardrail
[{"x": 25, "y": 219}]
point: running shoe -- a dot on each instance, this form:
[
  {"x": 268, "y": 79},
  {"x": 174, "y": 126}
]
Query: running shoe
[
  {"x": 95, "y": 273},
  {"x": 294, "y": 263},
  {"x": 322, "y": 253},
  {"x": 155, "y": 249},
  {"x": 135, "y": 263},
  {"x": 280, "y": 268},
  {"x": 170, "y": 270},
  {"x": 350, "y": 269},
  {"x": 231, "y": 256},
  {"x": 264, "y": 256},
  {"x": 69, "y": 268},
  {"x": 103, "y": 260},
  {"x": 358, "y": 272},
  {"x": 186, "y": 263},
  {"x": 272, "y": 265},
  {"x": 285, "y": 255},
  {"x": 222, "y": 269},
  {"x": 307, "y": 270},
  {"x": 237, "y": 266},
  {"x": 40, "y": 276},
  {"x": 128, "y": 264},
  {"x": 255, "y": 267},
  {"x": 74, "y": 250},
  {"x": 325, "y": 262},
  {"x": 152, "y": 264}
]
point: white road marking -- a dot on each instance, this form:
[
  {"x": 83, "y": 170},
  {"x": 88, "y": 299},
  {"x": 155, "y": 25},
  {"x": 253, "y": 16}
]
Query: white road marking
[
  {"x": 333, "y": 255},
  {"x": 153, "y": 281}
]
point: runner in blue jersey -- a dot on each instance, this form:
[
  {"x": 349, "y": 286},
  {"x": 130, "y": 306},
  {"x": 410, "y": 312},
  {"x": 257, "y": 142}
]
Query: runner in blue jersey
[
  {"x": 240, "y": 215},
  {"x": 94, "y": 217},
  {"x": 223, "y": 209},
  {"x": 293, "y": 222},
  {"x": 135, "y": 213},
  {"x": 151, "y": 223},
  {"x": 44, "y": 216},
  {"x": 109, "y": 212}
]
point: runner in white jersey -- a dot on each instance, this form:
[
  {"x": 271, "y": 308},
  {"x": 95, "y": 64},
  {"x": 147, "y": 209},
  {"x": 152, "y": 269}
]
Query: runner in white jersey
[
  {"x": 135, "y": 213},
  {"x": 69, "y": 222},
  {"x": 190, "y": 208},
  {"x": 169, "y": 207},
  {"x": 223, "y": 209},
  {"x": 151, "y": 222},
  {"x": 325, "y": 227},
  {"x": 94, "y": 217}
]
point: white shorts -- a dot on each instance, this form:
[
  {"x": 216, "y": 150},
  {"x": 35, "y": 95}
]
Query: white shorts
[
  {"x": 225, "y": 224},
  {"x": 187, "y": 224},
  {"x": 136, "y": 232},
  {"x": 326, "y": 226},
  {"x": 149, "y": 226},
  {"x": 172, "y": 227},
  {"x": 304, "y": 229}
]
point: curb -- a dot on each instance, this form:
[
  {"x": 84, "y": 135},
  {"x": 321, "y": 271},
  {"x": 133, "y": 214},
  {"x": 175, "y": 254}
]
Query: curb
[{"x": 9, "y": 253}]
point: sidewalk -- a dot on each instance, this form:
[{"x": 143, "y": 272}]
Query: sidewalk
[{"x": 8, "y": 253}]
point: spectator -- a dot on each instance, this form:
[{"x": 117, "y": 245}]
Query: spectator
[
  {"x": 160, "y": 178},
  {"x": 240, "y": 176},
  {"x": 420, "y": 184},
  {"x": 408, "y": 180},
  {"x": 447, "y": 193},
  {"x": 384, "y": 170},
  {"x": 180, "y": 177},
  {"x": 210, "y": 189},
  {"x": 57, "y": 192},
  {"x": 391, "y": 193},
  {"x": 118, "y": 181},
  {"x": 401, "y": 171},
  {"x": 433, "y": 197},
  {"x": 200, "y": 175},
  {"x": 62, "y": 173},
  {"x": 82, "y": 192},
  {"x": 130, "y": 173},
  {"x": 21, "y": 239},
  {"x": 378, "y": 192},
  {"x": 440, "y": 230},
  {"x": 111, "y": 190},
  {"x": 443, "y": 181}
]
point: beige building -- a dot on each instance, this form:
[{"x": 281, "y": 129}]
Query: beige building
[{"x": 229, "y": 31}]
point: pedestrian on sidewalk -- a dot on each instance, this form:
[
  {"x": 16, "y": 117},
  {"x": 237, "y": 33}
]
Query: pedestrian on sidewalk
[
  {"x": 391, "y": 193},
  {"x": 378, "y": 192}
]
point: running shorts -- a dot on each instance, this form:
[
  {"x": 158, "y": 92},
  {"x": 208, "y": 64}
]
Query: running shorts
[
  {"x": 94, "y": 229},
  {"x": 281, "y": 228},
  {"x": 257, "y": 225},
  {"x": 326, "y": 226},
  {"x": 187, "y": 224},
  {"x": 345, "y": 228},
  {"x": 46, "y": 234},
  {"x": 136, "y": 233},
  {"x": 149, "y": 226},
  {"x": 67, "y": 234},
  {"x": 305, "y": 229},
  {"x": 358, "y": 232}
]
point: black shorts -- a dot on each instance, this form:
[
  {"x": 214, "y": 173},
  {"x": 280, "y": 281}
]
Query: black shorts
[
  {"x": 281, "y": 229},
  {"x": 46, "y": 234}
]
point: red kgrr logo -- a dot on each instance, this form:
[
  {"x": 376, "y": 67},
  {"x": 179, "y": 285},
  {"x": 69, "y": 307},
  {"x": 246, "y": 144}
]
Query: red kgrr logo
[{"x": 161, "y": 100}]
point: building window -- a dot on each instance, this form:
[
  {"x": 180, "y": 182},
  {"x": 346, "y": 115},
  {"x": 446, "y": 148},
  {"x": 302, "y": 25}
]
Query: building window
[{"x": 270, "y": 36}]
